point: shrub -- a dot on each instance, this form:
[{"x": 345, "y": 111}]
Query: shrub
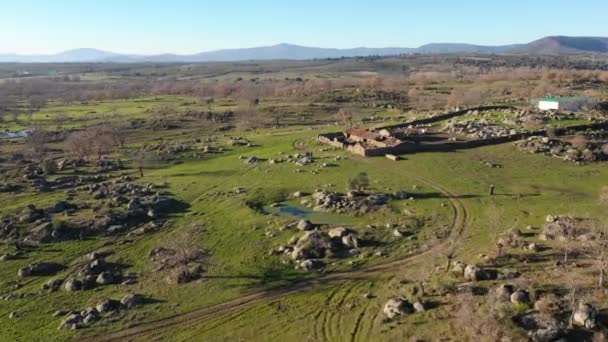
[
  {"x": 549, "y": 305},
  {"x": 262, "y": 197},
  {"x": 49, "y": 166},
  {"x": 359, "y": 182}
]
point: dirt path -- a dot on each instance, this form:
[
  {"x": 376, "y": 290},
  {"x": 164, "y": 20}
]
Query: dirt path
[{"x": 146, "y": 331}]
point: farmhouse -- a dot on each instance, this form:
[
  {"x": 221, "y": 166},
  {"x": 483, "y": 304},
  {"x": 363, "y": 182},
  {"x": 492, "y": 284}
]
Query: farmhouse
[
  {"x": 572, "y": 104},
  {"x": 365, "y": 142}
]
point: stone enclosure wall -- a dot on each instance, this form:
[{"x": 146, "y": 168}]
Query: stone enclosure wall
[{"x": 337, "y": 139}]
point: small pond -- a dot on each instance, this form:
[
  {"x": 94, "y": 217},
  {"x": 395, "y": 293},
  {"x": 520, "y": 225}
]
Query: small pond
[
  {"x": 12, "y": 135},
  {"x": 290, "y": 209}
]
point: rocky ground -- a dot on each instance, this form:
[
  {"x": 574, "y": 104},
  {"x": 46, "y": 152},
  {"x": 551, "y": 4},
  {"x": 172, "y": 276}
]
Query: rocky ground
[{"x": 559, "y": 148}]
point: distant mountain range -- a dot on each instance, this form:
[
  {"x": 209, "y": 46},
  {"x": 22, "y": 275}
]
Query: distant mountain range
[{"x": 555, "y": 45}]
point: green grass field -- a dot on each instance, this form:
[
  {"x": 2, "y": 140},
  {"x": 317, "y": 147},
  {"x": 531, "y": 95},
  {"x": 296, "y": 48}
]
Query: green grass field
[
  {"x": 528, "y": 188},
  {"x": 247, "y": 294}
]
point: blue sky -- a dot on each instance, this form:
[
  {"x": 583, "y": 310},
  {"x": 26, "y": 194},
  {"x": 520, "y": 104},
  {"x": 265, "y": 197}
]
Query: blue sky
[{"x": 189, "y": 26}]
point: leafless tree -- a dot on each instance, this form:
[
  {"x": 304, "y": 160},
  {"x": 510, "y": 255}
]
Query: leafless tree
[
  {"x": 209, "y": 102},
  {"x": 37, "y": 141},
  {"x": 248, "y": 116},
  {"x": 7, "y": 106},
  {"x": 450, "y": 250},
  {"x": 59, "y": 118},
  {"x": 345, "y": 115},
  {"x": 78, "y": 144},
  {"x": 481, "y": 323},
  {"x": 102, "y": 144},
  {"x": 277, "y": 116},
  {"x": 36, "y": 103},
  {"x": 117, "y": 133},
  {"x": 145, "y": 159},
  {"x": 597, "y": 250}
]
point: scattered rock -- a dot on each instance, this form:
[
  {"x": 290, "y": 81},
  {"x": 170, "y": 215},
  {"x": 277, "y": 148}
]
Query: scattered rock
[
  {"x": 131, "y": 300},
  {"x": 549, "y": 334},
  {"x": 350, "y": 241},
  {"x": 419, "y": 306},
  {"x": 585, "y": 315},
  {"x": 397, "y": 307},
  {"x": 504, "y": 291},
  {"x": 104, "y": 306},
  {"x": 39, "y": 269},
  {"x": 458, "y": 267},
  {"x": 59, "y": 313},
  {"x": 473, "y": 273},
  {"x": 520, "y": 296},
  {"x": 72, "y": 322},
  {"x": 337, "y": 232},
  {"x": 6, "y": 257},
  {"x": 52, "y": 285},
  {"x": 73, "y": 285},
  {"x": 105, "y": 278},
  {"x": 305, "y": 225}
]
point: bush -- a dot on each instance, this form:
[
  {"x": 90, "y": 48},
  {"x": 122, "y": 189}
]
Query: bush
[
  {"x": 443, "y": 286},
  {"x": 549, "y": 305},
  {"x": 359, "y": 182},
  {"x": 262, "y": 197},
  {"x": 49, "y": 166}
]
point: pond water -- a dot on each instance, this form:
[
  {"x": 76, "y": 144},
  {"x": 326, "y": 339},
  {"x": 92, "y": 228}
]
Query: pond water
[
  {"x": 290, "y": 209},
  {"x": 12, "y": 135}
]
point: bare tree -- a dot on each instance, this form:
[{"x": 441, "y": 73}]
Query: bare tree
[
  {"x": 7, "y": 106},
  {"x": 36, "y": 103},
  {"x": 248, "y": 117},
  {"x": 118, "y": 134},
  {"x": 209, "y": 101},
  {"x": 37, "y": 140},
  {"x": 345, "y": 116},
  {"x": 96, "y": 141},
  {"x": 450, "y": 250},
  {"x": 145, "y": 159},
  {"x": 597, "y": 250},
  {"x": 480, "y": 324},
  {"x": 277, "y": 115},
  {"x": 59, "y": 118},
  {"x": 101, "y": 143},
  {"x": 78, "y": 144}
]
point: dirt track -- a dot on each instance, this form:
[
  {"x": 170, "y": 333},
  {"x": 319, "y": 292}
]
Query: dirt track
[{"x": 147, "y": 330}]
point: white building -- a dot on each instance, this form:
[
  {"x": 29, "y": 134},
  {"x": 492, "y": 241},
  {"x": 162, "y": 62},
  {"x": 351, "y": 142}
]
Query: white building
[{"x": 572, "y": 104}]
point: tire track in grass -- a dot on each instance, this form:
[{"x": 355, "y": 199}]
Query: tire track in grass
[
  {"x": 353, "y": 334},
  {"x": 335, "y": 329},
  {"x": 318, "y": 321},
  {"x": 331, "y": 327},
  {"x": 372, "y": 326},
  {"x": 224, "y": 320},
  {"x": 358, "y": 321}
]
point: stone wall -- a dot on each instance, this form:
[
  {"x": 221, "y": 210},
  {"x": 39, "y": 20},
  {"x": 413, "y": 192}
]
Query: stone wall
[
  {"x": 333, "y": 139},
  {"x": 445, "y": 116}
]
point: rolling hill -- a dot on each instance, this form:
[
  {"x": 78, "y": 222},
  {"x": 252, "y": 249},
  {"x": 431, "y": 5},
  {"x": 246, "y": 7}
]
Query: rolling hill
[
  {"x": 560, "y": 45},
  {"x": 554, "y": 45}
]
